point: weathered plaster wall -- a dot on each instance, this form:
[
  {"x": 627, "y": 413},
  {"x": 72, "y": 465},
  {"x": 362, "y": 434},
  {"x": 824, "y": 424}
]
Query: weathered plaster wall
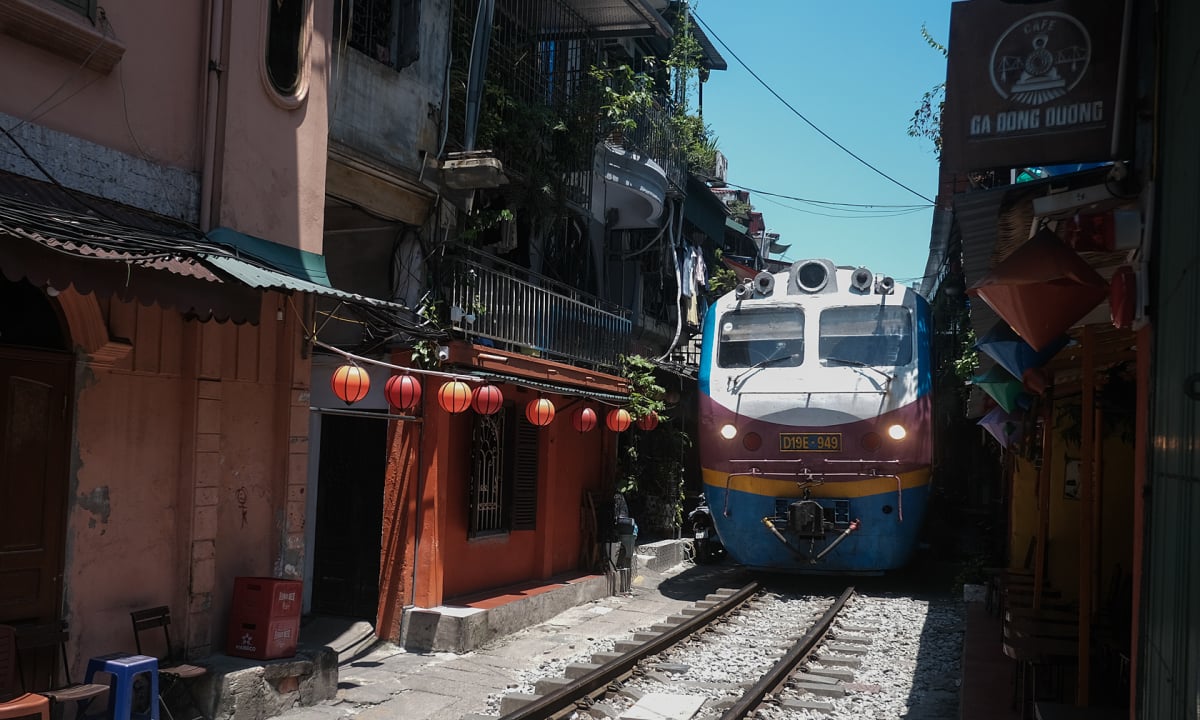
[
  {"x": 188, "y": 470},
  {"x": 148, "y": 104},
  {"x": 391, "y": 115}
]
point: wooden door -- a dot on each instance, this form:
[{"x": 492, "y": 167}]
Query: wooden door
[{"x": 34, "y": 392}]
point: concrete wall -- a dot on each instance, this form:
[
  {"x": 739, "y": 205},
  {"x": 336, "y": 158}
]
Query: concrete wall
[{"x": 392, "y": 116}]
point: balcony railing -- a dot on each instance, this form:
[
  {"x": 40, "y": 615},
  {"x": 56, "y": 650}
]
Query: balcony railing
[
  {"x": 516, "y": 308},
  {"x": 655, "y": 137}
]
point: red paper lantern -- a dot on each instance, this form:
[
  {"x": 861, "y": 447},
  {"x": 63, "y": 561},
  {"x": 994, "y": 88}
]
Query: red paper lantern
[
  {"x": 618, "y": 420},
  {"x": 350, "y": 383},
  {"x": 540, "y": 412},
  {"x": 403, "y": 391},
  {"x": 649, "y": 421},
  {"x": 487, "y": 400},
  {"x": 454, "y": 397},
  {"x": 583, "y": 419}
]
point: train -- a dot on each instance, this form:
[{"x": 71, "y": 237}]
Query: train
[{"x": 814, "y": 423}]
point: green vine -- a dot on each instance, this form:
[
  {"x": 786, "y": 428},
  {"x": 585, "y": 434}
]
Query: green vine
[
  {"x": 645, "y": 394},
  {"x": 966, "y": 362},
  {"x": 722, "y": 279},
  {"x": 424, "y": 352}
]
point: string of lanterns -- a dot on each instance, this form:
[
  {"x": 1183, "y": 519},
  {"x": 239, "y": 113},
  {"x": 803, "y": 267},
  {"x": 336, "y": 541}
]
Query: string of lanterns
[{"x": 350, "y": 384}]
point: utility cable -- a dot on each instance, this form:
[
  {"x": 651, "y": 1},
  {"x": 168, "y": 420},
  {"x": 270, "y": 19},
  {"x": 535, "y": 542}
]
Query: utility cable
[{"x": 801, "y": 115}]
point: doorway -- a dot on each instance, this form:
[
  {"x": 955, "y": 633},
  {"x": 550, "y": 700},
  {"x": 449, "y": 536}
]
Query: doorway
[{"x": 349, "y": 516}]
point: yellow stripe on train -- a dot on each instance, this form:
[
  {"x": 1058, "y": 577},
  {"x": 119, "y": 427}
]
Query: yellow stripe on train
[{"x": 862, "y": 487}]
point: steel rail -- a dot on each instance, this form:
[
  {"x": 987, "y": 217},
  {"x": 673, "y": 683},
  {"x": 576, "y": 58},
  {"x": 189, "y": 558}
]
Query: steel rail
[
  {"x": 566, "y": 696},
  {"x": 780, "y": 671}
]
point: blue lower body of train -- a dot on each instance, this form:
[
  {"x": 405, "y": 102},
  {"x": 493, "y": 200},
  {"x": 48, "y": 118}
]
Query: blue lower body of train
[{"x": 884, "y": 539}]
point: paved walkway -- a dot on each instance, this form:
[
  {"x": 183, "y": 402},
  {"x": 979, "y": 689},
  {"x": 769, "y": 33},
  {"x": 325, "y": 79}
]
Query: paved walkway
[{"x": 385, "y": 681}]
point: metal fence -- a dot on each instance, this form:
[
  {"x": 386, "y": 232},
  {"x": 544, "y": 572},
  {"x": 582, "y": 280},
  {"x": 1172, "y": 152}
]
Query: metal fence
[{"x": 516, "y": 308}]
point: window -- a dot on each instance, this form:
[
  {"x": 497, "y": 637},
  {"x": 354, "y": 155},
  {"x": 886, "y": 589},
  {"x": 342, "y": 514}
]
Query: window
[
  {"x": 386, "y": 30},
  {"x": 750, "y": 337},
  {"x": 867, "y": 335},
  {"x": 504, "y": 474},
  {"x": 286, "y": 21},
  {"x": 87, "y": 8}
]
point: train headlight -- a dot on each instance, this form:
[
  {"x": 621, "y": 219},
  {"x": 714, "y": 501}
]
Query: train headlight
[
  {"x": 728, "y": 432},
  {"x": 897, "y": 432}
]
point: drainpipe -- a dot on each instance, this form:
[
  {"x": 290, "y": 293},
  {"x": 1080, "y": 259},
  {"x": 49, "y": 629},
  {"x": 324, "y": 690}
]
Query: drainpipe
[
  {"x": 215, "y": 63},
  {"x": 477, "y": 71}
]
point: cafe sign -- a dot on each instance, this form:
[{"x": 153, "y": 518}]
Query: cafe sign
[{"x": 1033, "y": 83}]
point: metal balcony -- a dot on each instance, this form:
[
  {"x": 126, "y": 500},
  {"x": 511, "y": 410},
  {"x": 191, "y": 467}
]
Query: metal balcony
[{"x": 513, "y": 308}]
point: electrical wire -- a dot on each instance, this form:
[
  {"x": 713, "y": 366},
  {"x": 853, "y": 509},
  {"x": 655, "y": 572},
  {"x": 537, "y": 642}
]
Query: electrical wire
[
  {"x": 800, "y": 115},
  {"x": 829, "y": 203}
]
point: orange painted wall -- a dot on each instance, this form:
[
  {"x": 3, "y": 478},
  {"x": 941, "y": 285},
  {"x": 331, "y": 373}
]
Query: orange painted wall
[
  {"x": 182, "y": 457},
  {"x": 449, "y": 563}
]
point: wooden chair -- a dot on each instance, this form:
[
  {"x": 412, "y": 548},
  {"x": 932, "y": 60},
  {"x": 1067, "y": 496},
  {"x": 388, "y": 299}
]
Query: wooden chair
[
  {"x": 52, "y": 637},
  {"x": 15, "y": 703},
  {"x": 173, "y": 673}
]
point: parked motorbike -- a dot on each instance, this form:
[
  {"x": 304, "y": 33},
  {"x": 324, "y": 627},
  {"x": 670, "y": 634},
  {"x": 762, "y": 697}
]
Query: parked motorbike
[{"x": 707, "y": 544}]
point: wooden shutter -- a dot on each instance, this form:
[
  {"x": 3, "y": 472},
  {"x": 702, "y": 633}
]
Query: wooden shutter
[{"x": 525, "y": 475}]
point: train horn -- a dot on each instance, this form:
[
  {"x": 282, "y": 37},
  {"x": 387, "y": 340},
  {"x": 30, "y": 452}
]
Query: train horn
[
  {"x": 861, "y": 280},
  {"x": 885, "y": 285},
  {"x": 741, "y": 292},
  {"x": 764, "y": 283}
]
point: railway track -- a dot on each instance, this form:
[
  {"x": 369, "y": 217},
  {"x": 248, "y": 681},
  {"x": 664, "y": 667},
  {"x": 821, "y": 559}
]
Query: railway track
[{"x": 614, "y": 678}]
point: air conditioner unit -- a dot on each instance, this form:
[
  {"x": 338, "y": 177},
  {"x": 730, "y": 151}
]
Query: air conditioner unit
[{"x": 621, "y": 46}]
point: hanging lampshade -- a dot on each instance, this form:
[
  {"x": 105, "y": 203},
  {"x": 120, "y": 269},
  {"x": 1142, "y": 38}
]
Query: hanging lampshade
[
  {"x": 583, "y": 419},
  {"x": 618, "y": 420},
  {"x": 403, "y": 391},
  {"x": 648, "y": 421},
  {"x": 350, "y": 383},
  {"x": 540, "y": 412},
  {"x": 487, "y": 400},
  {"x": 455, "y": 396}
]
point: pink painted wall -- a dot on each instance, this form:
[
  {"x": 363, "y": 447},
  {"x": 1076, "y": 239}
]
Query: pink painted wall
[
  {"x": 162, "y": 72},
  {"x": 273, "y": 151},
  {"x": 268, "y": 167}
]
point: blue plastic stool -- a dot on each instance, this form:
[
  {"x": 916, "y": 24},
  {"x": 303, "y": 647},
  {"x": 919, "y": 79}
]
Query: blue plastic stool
[{"x": 123, "y": 667}]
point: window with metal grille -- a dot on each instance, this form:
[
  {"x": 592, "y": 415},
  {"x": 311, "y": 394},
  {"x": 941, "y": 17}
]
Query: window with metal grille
[
  {"x": 386, "y": 30},
  {"x": 504, "y": 473}
]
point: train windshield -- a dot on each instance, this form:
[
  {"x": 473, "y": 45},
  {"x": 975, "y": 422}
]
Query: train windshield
[
  {"x": 773, "y": 336},
  {"x": 867, "y": 335}
]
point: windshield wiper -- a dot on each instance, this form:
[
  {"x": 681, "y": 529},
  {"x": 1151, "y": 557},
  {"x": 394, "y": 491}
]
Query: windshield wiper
[
  {"x": 861, "y": 364},
  {"x": 733, "y": 382}
]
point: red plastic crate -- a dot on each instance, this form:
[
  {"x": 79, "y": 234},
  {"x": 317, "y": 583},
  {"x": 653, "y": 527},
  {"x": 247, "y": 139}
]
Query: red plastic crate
[
  {"x": 262, "y": 640},
  {"x": 266, "y": 598}
]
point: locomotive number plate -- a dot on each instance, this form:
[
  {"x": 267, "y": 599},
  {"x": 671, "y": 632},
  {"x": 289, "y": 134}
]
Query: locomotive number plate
[{"x": 810, "y": 442}]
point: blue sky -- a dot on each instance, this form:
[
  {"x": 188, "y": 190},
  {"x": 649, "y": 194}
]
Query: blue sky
[{"x": 857, "y": 70}]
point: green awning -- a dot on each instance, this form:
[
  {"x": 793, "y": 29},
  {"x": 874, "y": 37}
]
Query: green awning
[
  {"x": 257, "y": 276},
  {"x": 293, "y": 261},
  {"x": 704, "y": 210}
]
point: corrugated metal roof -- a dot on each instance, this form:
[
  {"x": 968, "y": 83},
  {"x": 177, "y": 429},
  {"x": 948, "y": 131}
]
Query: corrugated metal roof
[
  {"x": 258, "y": 276},
  {"x": 621, "y": 17}
]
